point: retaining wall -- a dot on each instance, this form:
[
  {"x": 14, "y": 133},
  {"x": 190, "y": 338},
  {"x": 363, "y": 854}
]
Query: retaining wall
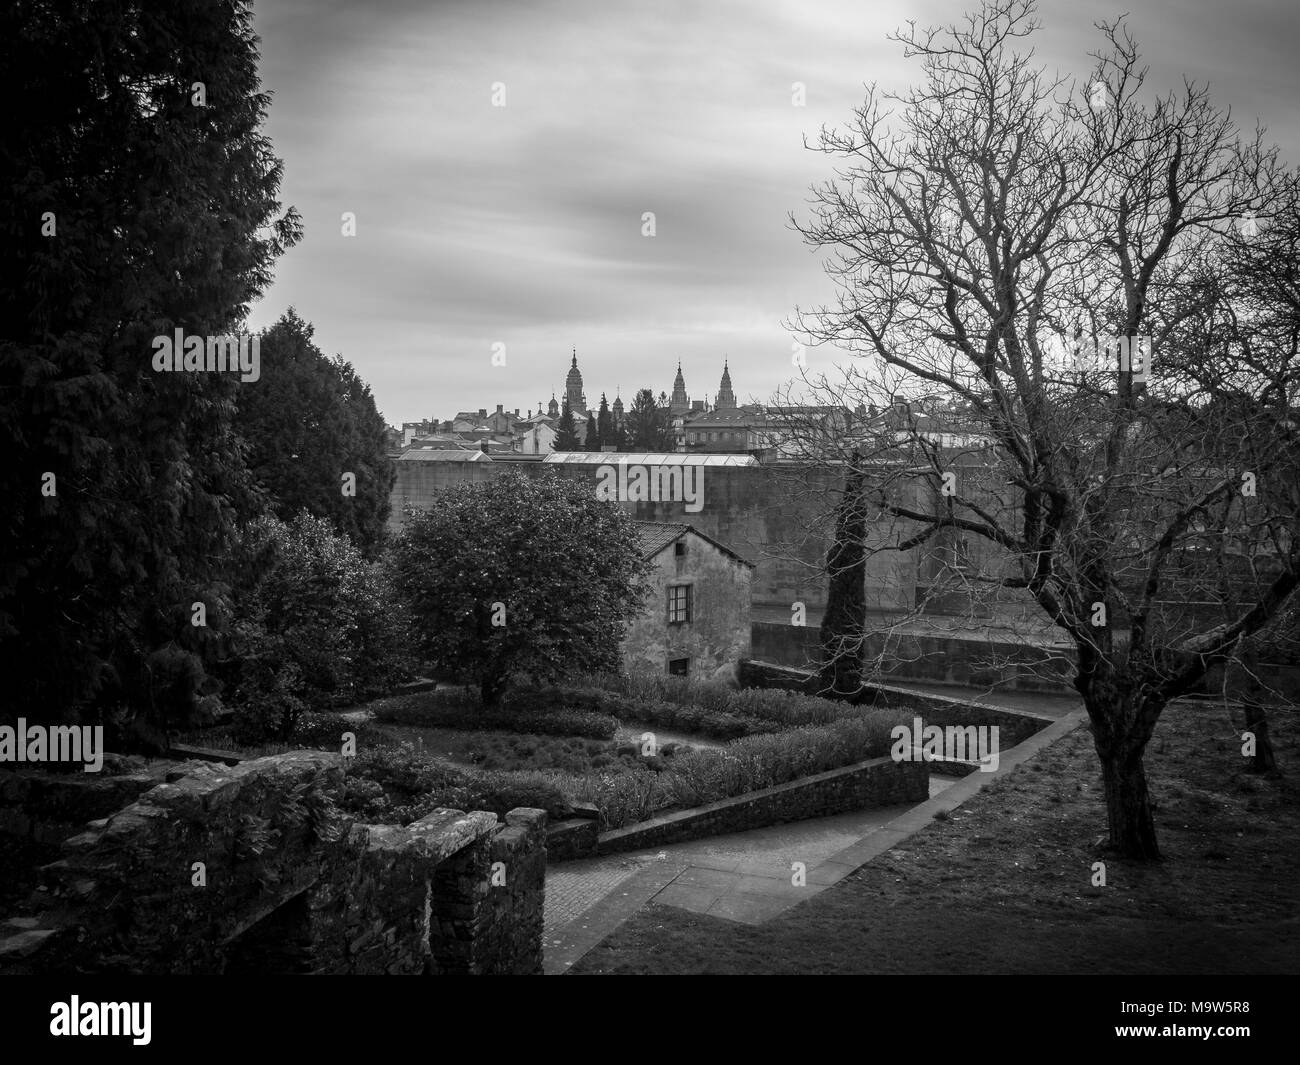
[{"x": 877, "y": 782}]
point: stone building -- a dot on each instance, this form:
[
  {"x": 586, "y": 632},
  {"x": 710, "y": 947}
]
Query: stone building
[{"x": 696, "y": 621}]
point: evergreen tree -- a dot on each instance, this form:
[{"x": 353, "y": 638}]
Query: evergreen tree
[
  {"x": 310, "y": 421},
  {"x": 566, "y": 437},
  {"x": 134, "y": 208},
  {"x": 593, "y": 436},
  {"x": 604, "y": 425},
  {"x": 648, "y": 426}
]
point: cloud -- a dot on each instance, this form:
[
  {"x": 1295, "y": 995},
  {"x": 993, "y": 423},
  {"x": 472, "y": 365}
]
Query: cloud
[{"x": 523, "y": 224}]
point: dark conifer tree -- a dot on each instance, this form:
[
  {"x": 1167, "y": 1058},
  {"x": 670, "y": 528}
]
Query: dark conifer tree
[
  {"x": 141, "y": 199},
  {"x": 604, "y": 424},
  {"x": 566, "y": 437},
  {"x": 310, "y": 422}
]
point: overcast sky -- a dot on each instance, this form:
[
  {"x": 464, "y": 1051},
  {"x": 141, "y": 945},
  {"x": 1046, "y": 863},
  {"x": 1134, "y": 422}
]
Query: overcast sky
[{"x": 522, "y": 224}]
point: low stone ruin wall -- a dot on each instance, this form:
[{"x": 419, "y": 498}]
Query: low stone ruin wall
[
  {"x": 48, "y": 807},
  {"x": 253, "y": 867}
]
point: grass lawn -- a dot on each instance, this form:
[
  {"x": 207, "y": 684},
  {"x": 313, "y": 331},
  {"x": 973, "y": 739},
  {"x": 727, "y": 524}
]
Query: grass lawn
[{"x": 1003, "y": 884}]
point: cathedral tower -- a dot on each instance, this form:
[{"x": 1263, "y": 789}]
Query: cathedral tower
[
  {"x": 726, "y": 397},
  {"x": 573, "y": 387},
  {"x": 680, "y": 403}
]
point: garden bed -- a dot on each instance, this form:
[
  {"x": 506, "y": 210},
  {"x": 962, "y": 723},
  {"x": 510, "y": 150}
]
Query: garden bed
[{"x": 553, "y": 747}]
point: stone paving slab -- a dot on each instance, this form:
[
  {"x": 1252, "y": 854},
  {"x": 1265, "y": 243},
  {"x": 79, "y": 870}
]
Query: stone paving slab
[
  {"x": 697, "y": 877},
  {"x": 748, "y": 909},
  {"x": 697, "y": 899}
]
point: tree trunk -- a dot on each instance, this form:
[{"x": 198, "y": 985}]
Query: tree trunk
[
  {"x": 844, "y": 621},
  {"x": 1128, "y": 805},
  {"x": 1257, "y": 722},
  {"x": 492, "y": 690}
]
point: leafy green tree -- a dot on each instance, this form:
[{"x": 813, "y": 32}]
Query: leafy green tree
[
  {"x": 138, "y": 202},
  {"x": 566, "y": 437},
  {"x": 310, "y": 421},
  {"x": 523, "y": 574}
]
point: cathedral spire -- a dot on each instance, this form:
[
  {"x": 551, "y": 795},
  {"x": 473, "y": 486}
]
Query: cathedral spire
[
  {"x": 726, "y": 397},
  {"x": 680, "y": 403}
]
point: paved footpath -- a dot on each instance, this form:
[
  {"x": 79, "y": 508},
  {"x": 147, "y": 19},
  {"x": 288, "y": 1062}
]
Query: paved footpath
[{"x": 748, "y": 877}]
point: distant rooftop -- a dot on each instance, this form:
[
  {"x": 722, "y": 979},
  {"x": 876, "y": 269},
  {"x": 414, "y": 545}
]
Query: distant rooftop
[
  {"x": 670, "y": 458},
  {"x": 656, "y": 535},
  {"x": 420, "y": 454}
]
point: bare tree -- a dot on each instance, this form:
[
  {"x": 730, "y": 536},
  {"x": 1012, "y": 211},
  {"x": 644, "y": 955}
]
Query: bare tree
[{"x": 1035, "y": 267}]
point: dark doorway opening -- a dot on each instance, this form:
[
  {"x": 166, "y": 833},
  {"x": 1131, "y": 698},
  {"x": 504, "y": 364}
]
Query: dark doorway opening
[{"x": 277, "y": 945}]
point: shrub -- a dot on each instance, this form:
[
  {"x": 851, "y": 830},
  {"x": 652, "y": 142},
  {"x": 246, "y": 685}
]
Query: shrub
[
  {"x": 692, "y": 719},
  {"x": 703, "y": 775},
  {"x": 757, "y": 762},
  {"x": 325, "y": 731},
  {"x": 623, "y": 798},
  {"x": 314, "y": 623},
  {"x": 398, "y": 785},
  {"x": 783, "y": 709},
  {"x": 636, "y": 710},
  {"x": 463, "y": 709},
  {"x": 507, "y": 751}
]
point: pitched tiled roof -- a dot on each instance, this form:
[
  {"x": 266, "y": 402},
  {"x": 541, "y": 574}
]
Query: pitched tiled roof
[{"x": 656, "y": 535}]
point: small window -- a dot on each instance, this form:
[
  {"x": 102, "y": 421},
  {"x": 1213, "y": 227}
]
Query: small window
[
  {"x": 679, "y": 548},
  {"x": 679, "y": 667},
  {"x": 679, "y": 604}
]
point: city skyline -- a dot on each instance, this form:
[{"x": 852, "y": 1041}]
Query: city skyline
[{"x": 521, "y": 225}]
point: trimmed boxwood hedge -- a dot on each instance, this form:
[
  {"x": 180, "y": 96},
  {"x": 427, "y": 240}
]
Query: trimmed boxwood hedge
[{"x": 455, "y": 708}]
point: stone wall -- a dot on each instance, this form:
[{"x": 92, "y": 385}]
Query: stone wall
[
  {"x": 877, "y": 782},
  {"x": 942, "y": 658},
  {"x": 770, "y": 515},
  {"x": 1013, "y": 725},
  {"x": 577, "y": 837},
  {"x": 48, "y": 807},
  {"x": 287, "y": 883}
]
